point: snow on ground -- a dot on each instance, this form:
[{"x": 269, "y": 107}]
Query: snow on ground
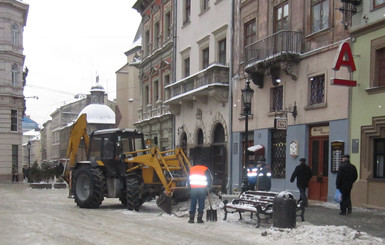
[
  {"x": 304, "y": 233},
  {"x": 30, "y": 216}
]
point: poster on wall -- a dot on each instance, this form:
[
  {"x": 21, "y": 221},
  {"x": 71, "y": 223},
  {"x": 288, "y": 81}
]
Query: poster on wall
[{"x": 337, "y": 153}]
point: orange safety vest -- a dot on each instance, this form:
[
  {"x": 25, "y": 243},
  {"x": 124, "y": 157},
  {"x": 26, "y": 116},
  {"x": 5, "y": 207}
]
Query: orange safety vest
[{"x": 198, "y": 177}]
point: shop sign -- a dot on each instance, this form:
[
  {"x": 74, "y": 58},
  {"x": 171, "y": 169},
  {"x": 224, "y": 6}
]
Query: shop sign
[
  {"x": 344, "y": 58},
  {"x": 320, "y": 131}
]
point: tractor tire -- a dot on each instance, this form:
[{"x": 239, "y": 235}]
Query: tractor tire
[
  {"x": 89, "y": 187},
  {"x": 133, "y": 195}
]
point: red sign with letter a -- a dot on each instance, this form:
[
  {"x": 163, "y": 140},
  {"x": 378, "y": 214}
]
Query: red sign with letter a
[{"x": 344, "y": 58}]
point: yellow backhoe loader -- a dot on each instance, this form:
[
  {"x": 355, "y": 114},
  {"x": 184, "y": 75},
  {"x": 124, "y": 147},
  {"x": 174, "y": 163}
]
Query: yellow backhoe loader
[{"x": 120, "y": 166}]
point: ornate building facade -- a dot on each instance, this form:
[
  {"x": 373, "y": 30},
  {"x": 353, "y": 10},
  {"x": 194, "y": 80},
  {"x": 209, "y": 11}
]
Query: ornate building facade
[{"x": 13, "y": 18}]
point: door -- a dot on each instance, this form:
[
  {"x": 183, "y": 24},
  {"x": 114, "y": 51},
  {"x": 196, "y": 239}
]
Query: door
[{"x": 318, "y": 162}]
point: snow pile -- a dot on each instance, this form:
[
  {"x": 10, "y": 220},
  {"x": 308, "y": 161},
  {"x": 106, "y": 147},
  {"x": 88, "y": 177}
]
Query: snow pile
[
  {"x": 321, "y": 235},
  {"x": 304, "y": 233}
]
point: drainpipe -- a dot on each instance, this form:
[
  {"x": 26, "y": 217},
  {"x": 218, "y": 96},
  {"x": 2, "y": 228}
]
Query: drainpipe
[
  {"x": 230, "y": 152},
  {"x": 174, "y": 22}
]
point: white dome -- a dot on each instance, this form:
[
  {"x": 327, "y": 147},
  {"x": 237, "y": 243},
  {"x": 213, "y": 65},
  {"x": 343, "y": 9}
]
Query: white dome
[{"x": 99, "y": 114}]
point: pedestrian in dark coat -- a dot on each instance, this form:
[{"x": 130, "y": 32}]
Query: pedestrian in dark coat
[
  {"x": 303, "y": 174},
  {"x": 346, "y": 176}
]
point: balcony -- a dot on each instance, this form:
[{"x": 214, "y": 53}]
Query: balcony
[
  {"x": 212, "y": 81},
  {"x": 152, "y": 112},
  {"x": 282, "y": 49}
]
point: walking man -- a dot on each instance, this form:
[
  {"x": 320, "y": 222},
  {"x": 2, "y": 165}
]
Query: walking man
[
  {"x": 303, "y": 174},
  {"x": 15, "y": 175},
  {"x": 346, "y": 176},
  {"x": 200, "y": 179}
]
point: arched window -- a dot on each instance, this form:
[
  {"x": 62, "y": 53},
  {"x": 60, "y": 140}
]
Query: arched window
[
  {"x": 219, "y": 134},
  {"x": 184, "y": 142},
  {"x": 200, "y": 137},
  {"x": 15, "y": 35},
  {"x": 15, "y": 71}
]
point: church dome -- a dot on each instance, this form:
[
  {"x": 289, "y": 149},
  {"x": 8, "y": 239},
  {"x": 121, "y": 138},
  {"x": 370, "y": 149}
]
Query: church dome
[{"x": 99, "y": 114}]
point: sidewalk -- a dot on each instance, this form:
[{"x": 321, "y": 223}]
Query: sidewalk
[{"x": 368, "y": 220}]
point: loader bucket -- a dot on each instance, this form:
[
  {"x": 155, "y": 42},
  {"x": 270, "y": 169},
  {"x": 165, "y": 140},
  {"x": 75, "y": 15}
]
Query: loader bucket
[{"x": 164, "y": 203}]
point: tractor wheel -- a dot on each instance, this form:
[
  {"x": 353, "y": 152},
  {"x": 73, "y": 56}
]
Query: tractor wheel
[
  {"x": 89, "y": 187},
  {"x": 123, "y": 196},
  {"x": 133, "y": 195}
]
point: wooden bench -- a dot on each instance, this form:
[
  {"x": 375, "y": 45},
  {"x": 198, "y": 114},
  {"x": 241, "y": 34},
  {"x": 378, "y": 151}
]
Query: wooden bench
[{"x": 258, "y": 202}]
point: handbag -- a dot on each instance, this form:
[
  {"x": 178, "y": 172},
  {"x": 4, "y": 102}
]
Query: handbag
[{"x": 338, "y": 196}]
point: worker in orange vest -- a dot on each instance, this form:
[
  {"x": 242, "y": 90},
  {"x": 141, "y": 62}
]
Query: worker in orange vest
[{"x": 199, "y": 180}]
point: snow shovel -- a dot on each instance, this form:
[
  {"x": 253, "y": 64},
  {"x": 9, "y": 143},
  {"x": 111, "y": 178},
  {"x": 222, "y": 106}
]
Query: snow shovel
[{"x": 211, "y": 215}]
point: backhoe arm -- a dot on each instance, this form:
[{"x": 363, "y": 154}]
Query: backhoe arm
[{"x": 78, "y": 131}]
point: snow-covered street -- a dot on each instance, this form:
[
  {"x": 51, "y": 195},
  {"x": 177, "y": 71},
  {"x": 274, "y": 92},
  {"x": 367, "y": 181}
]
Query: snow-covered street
[{"x": 35, "y": 216}]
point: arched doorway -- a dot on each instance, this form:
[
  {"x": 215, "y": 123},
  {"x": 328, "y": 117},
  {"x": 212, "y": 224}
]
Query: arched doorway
[
  {"x": 219, "y": 166},
  {"x": 183, "y": 142}
]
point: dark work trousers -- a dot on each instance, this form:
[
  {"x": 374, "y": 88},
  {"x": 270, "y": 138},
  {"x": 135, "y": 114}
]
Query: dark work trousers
[
  {"x": 346, "y": 201},
  {"x": 302, "y": 195},
  {"x": 197, "y": 195}
]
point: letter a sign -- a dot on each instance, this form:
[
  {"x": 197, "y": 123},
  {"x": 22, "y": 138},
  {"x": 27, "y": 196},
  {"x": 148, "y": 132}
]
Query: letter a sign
[{"x": 344, "y": 57}]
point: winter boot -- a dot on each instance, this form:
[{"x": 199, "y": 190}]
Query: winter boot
[
  {"x": 192, "y": 216},
  {"x": 200, "y": 220}
]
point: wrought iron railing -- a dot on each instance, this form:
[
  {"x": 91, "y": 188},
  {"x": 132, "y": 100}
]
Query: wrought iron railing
[
  {"x": 282, "y": 42},
  {"x": 214, "y": 74}
]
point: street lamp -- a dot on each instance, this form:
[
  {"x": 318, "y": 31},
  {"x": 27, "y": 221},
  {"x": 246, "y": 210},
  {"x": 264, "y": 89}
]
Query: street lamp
[
  {"x": 29, "y": 153},
  {"x": 247, "y": 96}
]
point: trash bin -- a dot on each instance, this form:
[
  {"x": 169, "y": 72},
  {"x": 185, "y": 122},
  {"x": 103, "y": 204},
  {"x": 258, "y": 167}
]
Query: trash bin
[{"x": 284, "y": 210}]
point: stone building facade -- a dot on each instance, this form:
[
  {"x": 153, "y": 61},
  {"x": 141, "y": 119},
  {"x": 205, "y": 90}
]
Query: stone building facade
[
  {"x": 199, "y": 95},
  {"x": 286, "y": 49},
  {"x": 155, "y": 71},
  {"x": 368, "y": 104},
  {"x": 13, "y": 18}
]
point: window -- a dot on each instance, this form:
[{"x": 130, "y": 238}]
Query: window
[
  {"x": 15, "y": 156},
  {"x": 166, "y": 82},
  {"x": 108, "y": 148},
  {"x": 222, "y": 52},
  {"x": 156, "y": 35},
  {"x": 187, "y": 11},
  {"x": 14, "y": 120},
  {"x": 250, "y": 33},
  {"x": 167, "y": 25},
  {"x": 378, "y": 3},
  {"x": 15, "y": 72},
  {"x": 187, "y": 67},
  {"x": 147, "y": 43},
  {"x": 15, "y": 35},
  {"x": 146, "y": 95},
  {"x": 380, "y": 68},
  {"x": 317, "y": 90},
  {"x": 200, "y": 137},
  {"x": 379, "y": 158},
  {"x": 320, "y": 15},
  {"x": 277, "y": 98},
  {"x": 205, "y": 58},
  {"x": 281, "y": 21},
  {"x": 95, "y": 148},
  {"x": 156, "y": 91},
  {"x": 204, "y": 5}
]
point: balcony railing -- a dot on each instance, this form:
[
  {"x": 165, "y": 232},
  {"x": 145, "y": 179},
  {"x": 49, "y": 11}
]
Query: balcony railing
[
  {"x": 152, "y": 112},
  {"x": 278, "y": 44},
  {"x": 214, "y": 74}
]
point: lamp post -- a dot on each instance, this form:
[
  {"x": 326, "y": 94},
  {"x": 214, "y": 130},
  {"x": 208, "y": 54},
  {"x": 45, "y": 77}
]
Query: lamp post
[
  {"x": 29, "y": 153},
  {"x": 247, "y": 96}
]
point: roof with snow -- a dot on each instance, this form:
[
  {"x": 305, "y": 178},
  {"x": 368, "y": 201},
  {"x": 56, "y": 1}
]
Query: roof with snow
[{"x": 99, "y": 114}]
